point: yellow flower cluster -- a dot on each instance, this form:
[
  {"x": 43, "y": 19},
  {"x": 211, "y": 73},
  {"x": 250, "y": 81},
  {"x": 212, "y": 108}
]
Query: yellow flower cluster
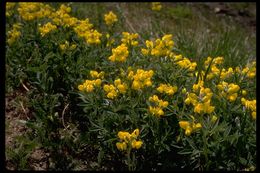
[
  {"x": 61, "y": 17},
  {"x": 94, "y": 74},
  {"x": 201, "y": 102},
  {"x": 89, "y": 85},
  {"x": 83, "y": 29},
  {"x": 167, "y": 89},
  {"x": 120, "y": 53},
  {"x": 251, "y": 105},
  {"x": 67, "y": 46},
  {"x": 113, "y": 90},
  {"x": 9, "y": 7},
  {"x": 45, "y": 29},
  {"x": 228, "y": 91},
  {"x": 183, "y": 62},
  {"x": 128, "y": 140},
  {"x": 213, "y": 63},
  {"x": 129, "y": 39},
  {"x": 110, "y": 91},
  {"x": 31, "y": 11},
  {"x": 161, "y": 47},
  {"x": 159, "y": 105},
  {"x": 226, "y": 73},
  {"x": 122, "y": 87},
  {"x": 190, "y": 127},
  {"x": 250, "y": 70},
  {"x": 13, "y": 34},
  {"x": 110, "y": 18},
  {"x": 156, "y": 6},
  {"x": 140, "y": 79}
]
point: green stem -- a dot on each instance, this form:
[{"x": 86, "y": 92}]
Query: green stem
[
  {"x": 129, "y": 164},
  {"x": 205, "y": 149}
]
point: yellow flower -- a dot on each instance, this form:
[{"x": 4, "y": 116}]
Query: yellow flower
[
  {"x": 156, "y": 6},
  {"x": 214, "y": 119},
  {"x": 122, "y": 88},
  {"x": 119, "y": 53},
  {"x": 253, "y": 115},
  {"x": 198, "y": 108},
  {"x": 110, "y": 18},
  {"x": 188, "y": 131},
  {"x": 97, "y": 82},
  {"x": 48, "y": 27},
  {"x": 135, "y": 133},
  {"x": 160, "y": 112},
  {"x": 136, "y": 144},
  {"x": 232, "y": 97},
  {"x": 184, "y": 124},
  {"x": 197, "y": 126},
  {"x": 128, "y": 140},
  {"x": 124, "y": 135},
  {"x": 145, "y": 51},
  {"x": 129, "y": 39},
  {"x": 89, "y": 88},
  {"x": 112, "y": 94},
  {"x": 136, "y": 85},
  {"x": 232, "y": 88},
  {"x": 121, "y": 146},
  {"x": 81, "y": 87},
  {"x": 168, "y": 89},
  {"x": 14, "y": 34}
]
